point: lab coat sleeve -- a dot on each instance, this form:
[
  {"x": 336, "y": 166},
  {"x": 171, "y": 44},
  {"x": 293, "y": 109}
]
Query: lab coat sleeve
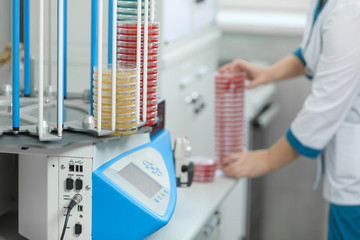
[
  {"x": 335, "y": 86},
  {"x": 298, "y": 53}
]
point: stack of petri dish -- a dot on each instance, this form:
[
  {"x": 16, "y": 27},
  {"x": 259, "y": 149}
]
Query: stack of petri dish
[
  {"x": 127, "y": 10},
  {"x": 204, "y": 169},
  {"x": 127, "y": 53},
  {"x": 229, "y": 114},
  {"x": 126, "y": 122}
]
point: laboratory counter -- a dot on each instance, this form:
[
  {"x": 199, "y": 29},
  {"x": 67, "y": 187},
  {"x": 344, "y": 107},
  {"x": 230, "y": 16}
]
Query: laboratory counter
[{"x": 195, "y": 206}]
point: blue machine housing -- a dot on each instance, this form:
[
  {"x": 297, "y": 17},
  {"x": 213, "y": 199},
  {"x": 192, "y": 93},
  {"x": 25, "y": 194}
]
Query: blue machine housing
[{"x": 116, "y": 214}]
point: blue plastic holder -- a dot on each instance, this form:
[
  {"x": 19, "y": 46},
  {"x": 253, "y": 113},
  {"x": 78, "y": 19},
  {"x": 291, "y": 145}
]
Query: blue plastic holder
[
  {"x": 94, "y": 47},
  {"x": 110, "y": 31},
  {"x": 27, "y": 48},
  {"x": 16, "y": 65}
]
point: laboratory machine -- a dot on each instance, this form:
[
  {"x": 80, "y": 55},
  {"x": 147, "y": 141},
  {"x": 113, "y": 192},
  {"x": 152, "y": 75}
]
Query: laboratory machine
[{"x": 99, "y": 166}]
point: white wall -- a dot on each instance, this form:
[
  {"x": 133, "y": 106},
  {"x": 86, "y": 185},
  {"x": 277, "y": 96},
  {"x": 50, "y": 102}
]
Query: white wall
[
  {"x": 5, "y": 23},
  {"x": 283, "y": 5}
]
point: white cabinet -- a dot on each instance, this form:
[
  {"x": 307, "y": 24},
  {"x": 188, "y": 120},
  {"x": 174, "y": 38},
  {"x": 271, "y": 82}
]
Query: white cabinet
[
  {"x": 182, "y": 18},
  {"x": 233, "y": 213},
  {"x": 188, "y": 87},
  {"x": 204, "y": 13},
  {"x": 177, "y": 19},
  {"x": 229, "y": 221}
]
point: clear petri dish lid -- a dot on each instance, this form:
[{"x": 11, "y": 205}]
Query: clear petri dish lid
[
  {"x": 133, "y": 31},
  {"x": 228, "y": 75},
  {"x": 151, "y": 64},
  {"x": 128, "y": 38},
  {"x": 128, "y": 11},
  {"x": 119, "y": 109},
  {"x": 152, "y": 102},
  {"x": 119, "y": 102},
  {"x": 122, "y": 69},
  {"x": 150, "y": 122},
  {"x": 124, "y": 44},
  {"x": 133, "y": 25},
  {"x": 133, "y": 51},
  {"x": 149, "y": 90},
  {"x": 130, "y": 4},
  {"x": 203, "y": 161},
  {"x": 132, "y": 57}
]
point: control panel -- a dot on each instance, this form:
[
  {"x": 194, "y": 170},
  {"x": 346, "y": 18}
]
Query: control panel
[
  {"x": 143, "y": 175},
  {"x": 75, "y": 177}
]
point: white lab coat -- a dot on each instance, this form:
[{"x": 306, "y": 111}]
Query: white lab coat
[{"x": 328, "y": 126}]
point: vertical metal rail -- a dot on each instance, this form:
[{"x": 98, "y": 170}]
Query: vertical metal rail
[
  {"x": 94, "y": 49},
  {"x": 138, "y": 61},
  {"x": 60, "y": 70},
  {"x": 110, "y": 29},
  {"x": 41, "y": 70},
  {"x": 65, "y": 49},
  {"x": 27, "y": 48},
  {"x": 16, "y": 65},
  {"x": 114, "y": 68},
  {"x": 145, "y": 60},
  {"x": 99, "y": 102}
]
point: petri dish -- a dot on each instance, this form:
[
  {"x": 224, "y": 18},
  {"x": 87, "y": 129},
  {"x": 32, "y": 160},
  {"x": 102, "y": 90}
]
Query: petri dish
[
  {"x": 132, "y": 39},
  {"x": 133, "y": 25},
  {"x": 133, "y": 51},
  {"x": 125, "y": 44},
  {"x": 132, "y": 57}
]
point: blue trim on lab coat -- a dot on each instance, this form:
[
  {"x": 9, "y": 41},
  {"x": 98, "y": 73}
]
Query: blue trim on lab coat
[
  {"x": 298, "y": 53},
  {"x": 344, "y": 222},
  {"x": 300, "y": 148}
]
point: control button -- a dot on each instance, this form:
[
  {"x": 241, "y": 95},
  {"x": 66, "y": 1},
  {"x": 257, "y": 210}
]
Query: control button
[
  {"x": 78, "y": 229},
  {"x": 159, "y": 197},
  {"x": 159, "y": 173},
  {"x": 165, "y": 191},
  {"x": 156, "y": 200},
  {"x": 69, "y": 184},
  {"x": 163, "y": 195},
  {"x": 146, "y": 163},
  {"x": 78, "y": 184}
]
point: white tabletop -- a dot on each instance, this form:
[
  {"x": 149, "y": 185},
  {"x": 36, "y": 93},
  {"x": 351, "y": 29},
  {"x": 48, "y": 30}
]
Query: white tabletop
[{"x": 195, "y": 205}]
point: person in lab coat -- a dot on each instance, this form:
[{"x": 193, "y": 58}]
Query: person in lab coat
[{"x": 328, "y": 125}]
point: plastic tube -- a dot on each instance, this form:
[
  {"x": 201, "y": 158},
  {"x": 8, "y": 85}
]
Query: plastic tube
[
  {"x": 60, "y": 70},
  {"x": 100, "y": 22},
  {"x": 138, "y": 61},
  {"x": 113, "y": 94},
  {"x": 41, "y": 70},
  {"x": 16, "y": 65},
  {"x": 94, "y": 48},
  {"x": 27, "y": 48},
  {"x": 146, "y": 44}
]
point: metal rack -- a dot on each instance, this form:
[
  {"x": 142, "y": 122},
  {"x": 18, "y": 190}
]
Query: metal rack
[{"x": 53, "y": 131}]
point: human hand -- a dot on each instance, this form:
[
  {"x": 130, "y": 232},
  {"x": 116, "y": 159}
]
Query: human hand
[
  {"x": 256, "y": 74},
  {"x": 246, "y": 164}
]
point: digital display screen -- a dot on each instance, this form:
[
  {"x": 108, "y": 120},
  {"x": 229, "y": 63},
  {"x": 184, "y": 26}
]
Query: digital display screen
[{"x": 140, "y": 180}]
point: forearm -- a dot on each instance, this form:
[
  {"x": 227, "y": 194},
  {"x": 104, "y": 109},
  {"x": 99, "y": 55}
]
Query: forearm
[
  {"x": 287, "y": 68},
  {"x": 280, "y": 154}
]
